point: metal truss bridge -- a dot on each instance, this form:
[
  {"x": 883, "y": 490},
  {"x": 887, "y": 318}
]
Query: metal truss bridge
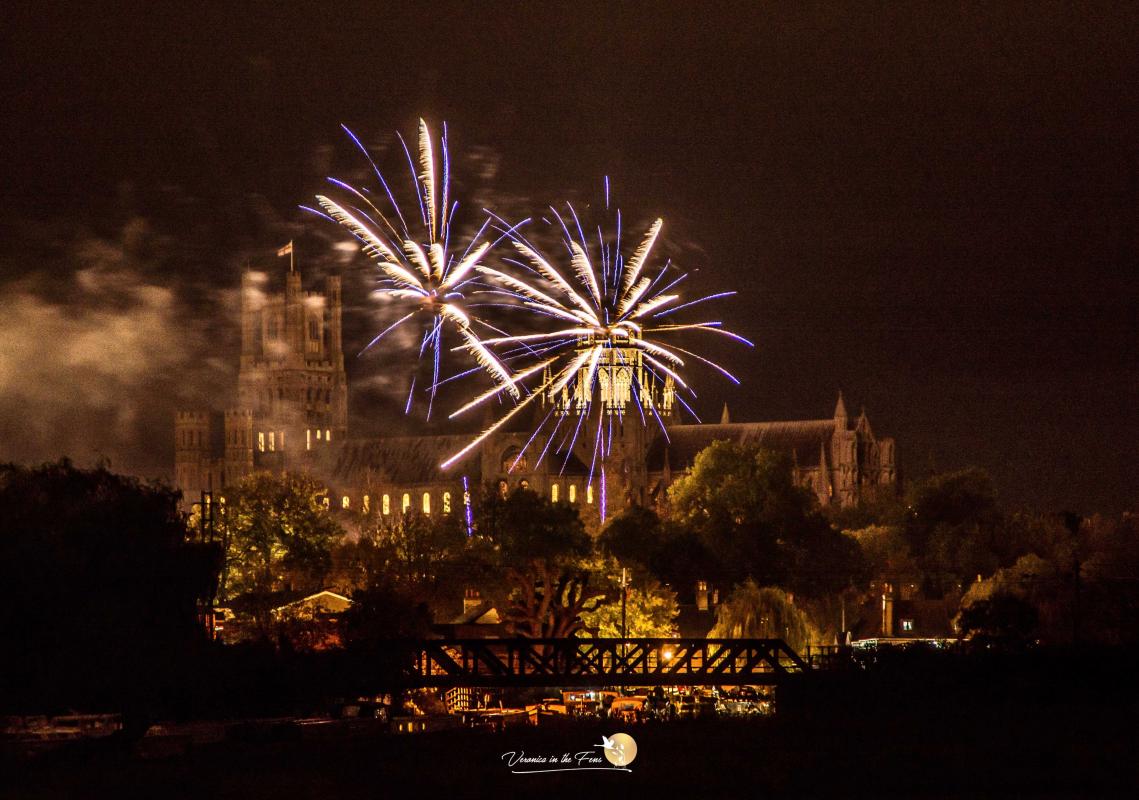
[{"x": 447, "y": 663}]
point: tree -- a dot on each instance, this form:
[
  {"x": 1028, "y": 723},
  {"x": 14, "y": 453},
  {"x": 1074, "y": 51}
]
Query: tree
[
  {"x": 674, "y": 553},
  {"x": 1109, "y": 598},
  {"x": 419, "y": 553},
  {"x": 105, "y": 587},
  {"x": 954, "y": 528},
  {"x": 650, "y": 608},
  {"x": 1003, "y": 619},
  {"x": 751, "y": 612},
  {"x": 633, "y": 536},
  {"x": 885, "y": 551},
  {"x": 383, "y": 610},
  {"x": 403, "y": 571},
  {"x": 743, "y": 503},
  {"x": 538, "y": 549},
  {"x": 1035, "y": 582},
  {"x": 280, "y": 537}
]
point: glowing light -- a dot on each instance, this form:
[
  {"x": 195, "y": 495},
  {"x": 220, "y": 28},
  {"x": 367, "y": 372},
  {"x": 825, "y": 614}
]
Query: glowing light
[
  {"x": 599, "y": 346},
  {"x": 419, "y": 271},
  {"x": 467, "y": 505},
  {"x": 602, "y": 506}
]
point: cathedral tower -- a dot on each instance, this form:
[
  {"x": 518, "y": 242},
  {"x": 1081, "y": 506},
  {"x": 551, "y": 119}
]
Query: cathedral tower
[
  {"x": 292, "y": 376},
  {"x": 292, "y": 393}
]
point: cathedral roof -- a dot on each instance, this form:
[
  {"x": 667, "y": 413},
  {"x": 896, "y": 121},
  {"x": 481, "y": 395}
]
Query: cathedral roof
[
  {"x": 402, "y": 460},
  {"x": 797, "y": 439}
]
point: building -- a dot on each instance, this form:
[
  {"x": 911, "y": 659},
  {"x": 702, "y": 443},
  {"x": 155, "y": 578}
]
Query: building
[
  {"x": 291, "y": 414},
  {"x": 292, "y": 393}
]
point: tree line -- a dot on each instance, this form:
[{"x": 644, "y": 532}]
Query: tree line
[{"x": 108, "y": 581}]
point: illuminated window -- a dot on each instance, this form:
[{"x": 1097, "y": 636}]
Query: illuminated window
[
  {"x": 573, "y": 493},
  {"x": 385, "y": 504},
  {"x": 907, "y": 624},
  {"x": 589, "y": 493},
  {"x": 281, "y": 437},
  {"x": 272, "y": 441},
  {"x": 554, "y": 493},
  {"x": 446, "y": 502},
  {"x": 261, "y": 441},
  {"x": 308, "y": 438},
  {"x": 327, "y": 503},
  {"x": 367, "y": 504},
  {"x": 344, "y": 502},
  {"x": 327, "y": 435},
  {"x": 427, "y": 502},
  {"x": 406, "y": 504},
  {"x": 318, "y": 434}
]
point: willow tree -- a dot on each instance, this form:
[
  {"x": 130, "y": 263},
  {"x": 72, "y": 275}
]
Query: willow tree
[{"x": 752, "y": 612}]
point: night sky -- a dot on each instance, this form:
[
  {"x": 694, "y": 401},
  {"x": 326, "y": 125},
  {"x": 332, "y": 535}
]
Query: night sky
[{"x": 929, "y": 207}]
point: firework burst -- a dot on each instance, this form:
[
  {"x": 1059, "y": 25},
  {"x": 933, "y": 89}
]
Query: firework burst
[
  {"x": 607, "y": 343},
  {"x": 419, "y": 270}
]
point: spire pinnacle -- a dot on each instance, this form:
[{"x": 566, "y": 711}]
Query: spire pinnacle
[
  {"x": 840, "y": 410},
  {"x": 725, "y": 417}
]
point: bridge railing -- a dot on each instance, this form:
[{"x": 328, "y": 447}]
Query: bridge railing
[{"x": 591, "y": 662}]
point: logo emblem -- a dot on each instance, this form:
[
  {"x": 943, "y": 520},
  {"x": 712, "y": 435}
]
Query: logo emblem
[{"x": 619, "y": 749}]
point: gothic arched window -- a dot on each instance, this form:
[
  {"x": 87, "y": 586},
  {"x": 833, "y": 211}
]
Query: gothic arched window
[{"x": 511, "y": 456}]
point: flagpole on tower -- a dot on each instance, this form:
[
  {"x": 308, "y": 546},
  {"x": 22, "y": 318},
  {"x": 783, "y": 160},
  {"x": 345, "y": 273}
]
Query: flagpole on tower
[{"x": 287, "y": 250}]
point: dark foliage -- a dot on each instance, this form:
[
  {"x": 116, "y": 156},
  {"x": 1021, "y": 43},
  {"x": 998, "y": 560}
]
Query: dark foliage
[
  {"x": 103, "y": 587},
  {"x": 742, "y": 503},
  {"x": 1003, "y": 620},
  {"x": 537, "y": 577}
]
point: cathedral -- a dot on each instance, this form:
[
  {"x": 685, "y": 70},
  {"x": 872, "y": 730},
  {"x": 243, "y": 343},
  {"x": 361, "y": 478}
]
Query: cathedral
[{"x": 292, "y": 414}]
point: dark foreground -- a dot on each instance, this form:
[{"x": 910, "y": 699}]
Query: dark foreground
[
  {"x": 1058, "y": 724},
  {"x": 1021, "y": 753}
]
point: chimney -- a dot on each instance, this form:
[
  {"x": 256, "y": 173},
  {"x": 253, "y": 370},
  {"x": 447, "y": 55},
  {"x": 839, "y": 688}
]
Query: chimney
[{"x": 472, "y": 599}]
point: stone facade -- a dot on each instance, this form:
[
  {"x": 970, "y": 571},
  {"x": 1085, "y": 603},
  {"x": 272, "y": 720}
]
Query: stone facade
[
  {"x": 292, "y": 393},
  {"x": 292, "y": 414}
]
